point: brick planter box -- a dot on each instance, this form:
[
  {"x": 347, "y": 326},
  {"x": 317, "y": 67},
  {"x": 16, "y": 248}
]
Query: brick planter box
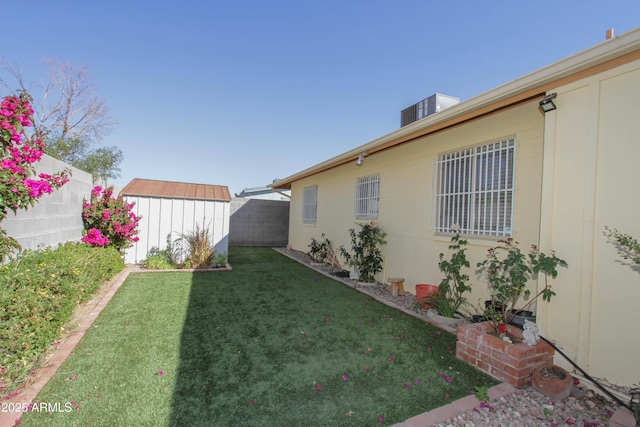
[{"x": 512, "y": 363}]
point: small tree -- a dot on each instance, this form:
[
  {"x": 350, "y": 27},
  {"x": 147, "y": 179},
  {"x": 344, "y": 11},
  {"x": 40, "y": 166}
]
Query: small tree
[
  {"x": 508, "y": 270},
  {"x": 71, "y": 118},
  {"x": 365, "y": 255}
]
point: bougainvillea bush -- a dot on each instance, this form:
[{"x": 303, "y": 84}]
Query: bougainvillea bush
[
  {"x": 109, "y": 221},
  {"x": 40, "y": 290},
  {"x": 20, "y": 187}
]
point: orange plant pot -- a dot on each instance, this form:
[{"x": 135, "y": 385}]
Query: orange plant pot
[{"x": 423, "y": 291}]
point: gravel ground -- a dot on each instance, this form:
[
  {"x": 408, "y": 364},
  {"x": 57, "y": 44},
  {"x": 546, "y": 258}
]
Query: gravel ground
[{"x": 525, "y": 407}]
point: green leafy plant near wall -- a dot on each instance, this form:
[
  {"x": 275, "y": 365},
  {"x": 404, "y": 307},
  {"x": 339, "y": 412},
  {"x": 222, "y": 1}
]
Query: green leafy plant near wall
[
  {"x": 629, "y": 250},
  {"x": 164, "y": 259},
  {"x": 365, "y": 255},
  {"x": 452, "y": 288},
  {"x": 322, "y": 251},
  {"x": 628, "y": 246},
  {"x": 508, "y": 270},
  {"x": 200, "y": 253}
]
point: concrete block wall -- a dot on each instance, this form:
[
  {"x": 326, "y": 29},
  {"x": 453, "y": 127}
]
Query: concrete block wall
[
  {"x": 257, "y": 222},
  {"x": 56, "y": 217}
]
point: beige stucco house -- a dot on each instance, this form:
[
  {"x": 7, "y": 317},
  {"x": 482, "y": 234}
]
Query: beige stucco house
[{"x": 500, "y": 167}]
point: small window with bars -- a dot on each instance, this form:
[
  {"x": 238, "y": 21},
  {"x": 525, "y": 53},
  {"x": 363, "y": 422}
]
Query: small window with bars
[
  {"x": 473, "y": 188},
  {"x": 310, "y": 204},
  {"x": 367, "y": 197}
]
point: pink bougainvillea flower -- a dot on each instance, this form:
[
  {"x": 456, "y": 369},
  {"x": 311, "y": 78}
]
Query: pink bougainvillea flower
[
  {"x": 390, "y": 358},
  {"x": 446, "y": 396},
  {"x": 416, "y": 382},
  {"x": 318, "y": 387},
  {"x": 445, "y": 377},
  {"x": 345, "y": 378},
  {"x": 73, "y": 377},
  {"x": 160, "y": 373},
  {"x": 406, "y": 385},
  {"x": 571, "y": 421},
  {"x": 252, "y": 401},
  {"x": 366, "y": 368},
  {"x": 381, "y": 420}
]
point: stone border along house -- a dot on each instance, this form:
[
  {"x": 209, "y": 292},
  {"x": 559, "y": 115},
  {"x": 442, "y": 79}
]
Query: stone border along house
[
  {"x": 176, "y": 208},
  {"x": 500, "y": 167}
]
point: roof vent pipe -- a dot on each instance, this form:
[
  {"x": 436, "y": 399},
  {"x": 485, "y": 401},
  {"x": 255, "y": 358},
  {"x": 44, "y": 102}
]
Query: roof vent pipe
[{"x": 609, "y": 33}]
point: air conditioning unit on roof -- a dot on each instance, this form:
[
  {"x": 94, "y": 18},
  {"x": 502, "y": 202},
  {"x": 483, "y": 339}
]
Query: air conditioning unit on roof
[{"x": 428, "y": 106}]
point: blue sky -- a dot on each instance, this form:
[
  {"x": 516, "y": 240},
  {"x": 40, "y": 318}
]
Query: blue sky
[{"x": 239, "y": 93}]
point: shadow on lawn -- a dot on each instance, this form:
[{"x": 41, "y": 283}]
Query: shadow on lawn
[
  {"x": 215, "y": 363},
  {"x": 275, "y": 343}
]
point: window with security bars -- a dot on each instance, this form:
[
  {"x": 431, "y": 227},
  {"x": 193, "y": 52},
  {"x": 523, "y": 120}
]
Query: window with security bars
[
  {"x": 473, "y": 188},
  {"x": 367, "y": 197},
  {"x": 310, "y": 204}
]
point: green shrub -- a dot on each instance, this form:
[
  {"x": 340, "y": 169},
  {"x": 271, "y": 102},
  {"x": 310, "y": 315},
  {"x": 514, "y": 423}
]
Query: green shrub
[
  {"x": 220, "y": 260},
  {"x": 39, "y": 291},
  {"x": 365, "y": 255},
  {"x": 158, "y": 261},
  {"x": 164, "y": 259}
]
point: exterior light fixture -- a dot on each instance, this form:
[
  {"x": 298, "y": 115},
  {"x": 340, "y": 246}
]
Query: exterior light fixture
[
  {"x": 547, "y": 103},
  {"x": 360, "y": 158}
]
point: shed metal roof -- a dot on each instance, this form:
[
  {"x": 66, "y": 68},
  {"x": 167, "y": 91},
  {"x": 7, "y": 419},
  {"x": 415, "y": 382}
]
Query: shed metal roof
[{"x": 176, "y": 190}]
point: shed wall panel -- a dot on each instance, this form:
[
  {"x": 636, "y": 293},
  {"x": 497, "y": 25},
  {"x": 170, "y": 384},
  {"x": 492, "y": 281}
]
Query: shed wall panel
[{"x": 178, "y": 217}]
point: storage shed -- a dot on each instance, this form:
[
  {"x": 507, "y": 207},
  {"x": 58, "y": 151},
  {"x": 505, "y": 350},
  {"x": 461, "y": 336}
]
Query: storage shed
[{"x": 176, "y": 208}]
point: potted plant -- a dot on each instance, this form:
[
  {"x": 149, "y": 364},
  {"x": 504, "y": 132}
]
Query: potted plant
[
  {"x": 365, "y": 256},
  {"x": 508, "y": 270},
  {"x": 450, "y": 296}
]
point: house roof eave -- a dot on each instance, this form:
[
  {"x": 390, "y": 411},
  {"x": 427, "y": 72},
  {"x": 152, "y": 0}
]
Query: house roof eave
[{"x": 606, "y": 55}]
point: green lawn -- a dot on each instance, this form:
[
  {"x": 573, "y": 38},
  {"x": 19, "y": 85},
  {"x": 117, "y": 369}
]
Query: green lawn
[{"x": 271, "y": 343}]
